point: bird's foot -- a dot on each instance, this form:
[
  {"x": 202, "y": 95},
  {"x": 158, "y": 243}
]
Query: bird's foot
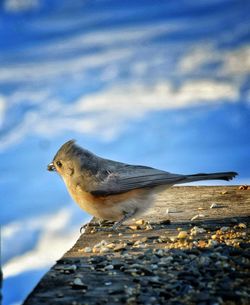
[
  {"x": 100, "y": 225},
  {"x": 97, "y": 225}
]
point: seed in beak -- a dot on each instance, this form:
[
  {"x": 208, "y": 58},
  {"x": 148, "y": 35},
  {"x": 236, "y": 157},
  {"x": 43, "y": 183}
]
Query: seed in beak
[{"x": 51, "y": 167}]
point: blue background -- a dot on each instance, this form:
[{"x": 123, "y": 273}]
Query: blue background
[{"x": 159, "y": 83}]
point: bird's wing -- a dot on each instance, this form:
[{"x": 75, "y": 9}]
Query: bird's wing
[{"x": 130, "y": 177}]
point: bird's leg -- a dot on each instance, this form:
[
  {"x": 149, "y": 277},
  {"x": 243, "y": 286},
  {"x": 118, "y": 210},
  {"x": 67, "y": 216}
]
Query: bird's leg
[
  {"x": 105, "y": 222},
  {"x": 96, "y": 222},
  {"x": 101, "y": 222},
  {"x": 126, "y": 216}
]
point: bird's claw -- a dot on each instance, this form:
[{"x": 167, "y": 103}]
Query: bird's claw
[{"x": 99, "y": 226}]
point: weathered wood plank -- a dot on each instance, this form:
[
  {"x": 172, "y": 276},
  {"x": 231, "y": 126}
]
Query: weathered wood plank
[{"x": 153, "y": 266}]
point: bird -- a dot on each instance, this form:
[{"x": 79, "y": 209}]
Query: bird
[{"x": 115, "y": 191}]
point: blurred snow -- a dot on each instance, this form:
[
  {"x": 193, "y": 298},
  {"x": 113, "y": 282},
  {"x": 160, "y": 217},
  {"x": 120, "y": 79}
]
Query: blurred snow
[{"x": 55, "y": 234}]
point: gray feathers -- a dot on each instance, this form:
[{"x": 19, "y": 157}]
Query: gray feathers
[
  {"x": 130, "y": 177},
  {"x": 145, "y": 177},
  {"x": 103, "y": 177},
  {"x": 65, "y": 150}
]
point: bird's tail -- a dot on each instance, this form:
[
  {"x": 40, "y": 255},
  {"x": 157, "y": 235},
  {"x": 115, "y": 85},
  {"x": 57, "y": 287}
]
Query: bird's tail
[{"x": 213, "y": 176}]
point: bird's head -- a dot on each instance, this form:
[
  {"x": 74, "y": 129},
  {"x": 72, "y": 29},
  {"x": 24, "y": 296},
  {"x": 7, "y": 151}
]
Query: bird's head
[
  {"x": 63, "y": 162},
  {"x": 72, "y": 159}
]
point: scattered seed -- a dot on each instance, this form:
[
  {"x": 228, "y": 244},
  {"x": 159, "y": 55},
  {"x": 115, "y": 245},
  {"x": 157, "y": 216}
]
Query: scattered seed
[
  {"x": 224, "y": 229},
  {"x": 104, "y": 250},
  {"x": 110, "y": 246},
  {"x": 215, "y": 206},
  {"x": 87, "y": 250},
  {"x": 138, "y": 242},
  {"x": 242, "y": 225},
  {"x": 224, "y": 192},
  {"x": 120, "y": 247},
  {"x": 78, "y": 284},
  {"x": 243, "y": 187},
  {"x": 212, "y": 243},
  {"x": 182, "y": 235},
  {"x": 140, "y": 222},
  {"x": 135, "y": 235},
  {"x": 109, "y": 267},
  {"x": 67, "y": 269},
  {"x": 95, "y": 250},
  {"x": 134, "y": 227},
  {"x": 196, "y": 230},
  {"x": 148, "y": 227},
  {"x": 202, "y": 243},
  {"x": 100, "y": 244},
  {"x": 198, "y": 216},
  {"x": 144, "y": 239}
]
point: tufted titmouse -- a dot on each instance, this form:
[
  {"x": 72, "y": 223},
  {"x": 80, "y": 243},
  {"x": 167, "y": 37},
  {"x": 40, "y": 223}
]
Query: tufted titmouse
[{"x": 113, "y": 190}]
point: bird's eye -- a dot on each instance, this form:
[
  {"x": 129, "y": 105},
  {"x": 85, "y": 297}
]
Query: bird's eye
[{"x": 59, "y": 163}]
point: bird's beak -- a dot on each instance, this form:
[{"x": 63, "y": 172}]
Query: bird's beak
[{"x": 51, "y": 167}]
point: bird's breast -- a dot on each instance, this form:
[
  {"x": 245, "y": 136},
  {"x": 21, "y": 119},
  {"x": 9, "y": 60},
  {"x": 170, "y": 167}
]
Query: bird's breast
[{"x": 110, "y": 207}]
